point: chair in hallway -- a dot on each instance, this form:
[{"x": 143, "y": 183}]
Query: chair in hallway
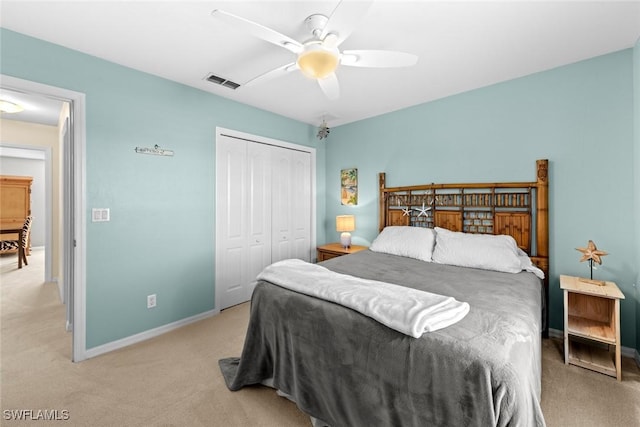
[{"x": 20, "y": 244}]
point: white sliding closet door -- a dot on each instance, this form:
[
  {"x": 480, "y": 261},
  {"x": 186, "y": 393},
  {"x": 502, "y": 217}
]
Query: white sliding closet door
[
  {"x": 231, "y": 211},
  {"x": 258, "y": 211},
  {"x": 291, "y": 196},
  {"x": 281, "y": 197},
  {"x": 263, "y": 212},
  {"x": 243, "y": 177},
  {"x": 301, "y": 206}
]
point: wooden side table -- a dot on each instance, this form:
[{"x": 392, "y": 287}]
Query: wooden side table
[
  {"x": 332, "y": 250},
  {"x": 592, "y": 325}
]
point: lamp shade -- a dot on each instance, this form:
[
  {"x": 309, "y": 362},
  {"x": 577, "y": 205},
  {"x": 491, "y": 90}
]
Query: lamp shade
[
  {"x": 345, "y": 223},
  {"x": 317, "y": 61}
]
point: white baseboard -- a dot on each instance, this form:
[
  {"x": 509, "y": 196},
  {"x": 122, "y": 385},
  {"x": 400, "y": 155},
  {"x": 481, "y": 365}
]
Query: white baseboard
[
  {"x": 143, "y": 336},
  {"x": 624, "y": 351},
  {"x": 58, "y": 284}
]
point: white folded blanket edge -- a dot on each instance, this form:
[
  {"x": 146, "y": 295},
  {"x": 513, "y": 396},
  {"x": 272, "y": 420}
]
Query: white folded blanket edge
[{"x": 407, "y": 310}]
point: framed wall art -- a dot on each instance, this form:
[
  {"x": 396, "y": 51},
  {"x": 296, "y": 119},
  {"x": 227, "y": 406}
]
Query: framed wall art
[{"x": 349, "y": 186}]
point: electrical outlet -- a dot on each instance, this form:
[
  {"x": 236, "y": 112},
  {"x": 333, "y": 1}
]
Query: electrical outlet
[{"x": 151, "y": 301}]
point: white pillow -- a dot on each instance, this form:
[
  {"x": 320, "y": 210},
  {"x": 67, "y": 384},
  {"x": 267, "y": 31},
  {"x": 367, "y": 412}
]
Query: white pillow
[
  {"x": 527, "y": 265},
  {"x": 485, "y": 251},
  {"x": 412, "y": 242}
]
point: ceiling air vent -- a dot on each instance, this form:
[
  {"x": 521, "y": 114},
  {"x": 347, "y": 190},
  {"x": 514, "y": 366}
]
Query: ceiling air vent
[{"x": 222, "y": 81}]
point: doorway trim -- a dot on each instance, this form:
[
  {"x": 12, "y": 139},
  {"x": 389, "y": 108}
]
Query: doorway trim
[{"x": 77, "y": 104}]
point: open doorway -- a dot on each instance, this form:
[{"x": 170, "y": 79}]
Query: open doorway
[
  {"x": 30, "y": 147},
  {"x": 25, "y": 191},
  {"x": 65, "y": 217}
]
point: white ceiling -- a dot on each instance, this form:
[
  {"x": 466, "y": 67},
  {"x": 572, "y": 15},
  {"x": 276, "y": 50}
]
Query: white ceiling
[
  {"x": 37, "y": 108},
  {"x": 461, "y": 45}
]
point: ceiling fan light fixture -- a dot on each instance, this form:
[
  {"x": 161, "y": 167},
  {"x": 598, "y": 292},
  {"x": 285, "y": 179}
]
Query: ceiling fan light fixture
[
  {"x": 318, "y": 57},
  {"x": 10, "y": 107},
  {"x": 318, "y": 62}
]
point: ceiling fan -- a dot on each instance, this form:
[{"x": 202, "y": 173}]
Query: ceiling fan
[{"x": 319, "y": 56}]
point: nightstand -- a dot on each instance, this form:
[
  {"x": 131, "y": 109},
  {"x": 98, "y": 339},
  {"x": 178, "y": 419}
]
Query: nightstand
[
  {"x": 332, "y": 250},
  {"x": 592, "y": 325}
]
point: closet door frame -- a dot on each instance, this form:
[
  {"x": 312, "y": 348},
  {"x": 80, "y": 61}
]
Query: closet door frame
[{"x": 224, "y": 132}]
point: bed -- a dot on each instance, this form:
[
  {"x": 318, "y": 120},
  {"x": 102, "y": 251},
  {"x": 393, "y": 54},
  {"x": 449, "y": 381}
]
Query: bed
[{"x": 344, "y": 368}]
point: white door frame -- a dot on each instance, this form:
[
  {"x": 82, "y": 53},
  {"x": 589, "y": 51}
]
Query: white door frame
[
  {"x": 269, "y": 141},
  {"x": 76, "y": 253}
]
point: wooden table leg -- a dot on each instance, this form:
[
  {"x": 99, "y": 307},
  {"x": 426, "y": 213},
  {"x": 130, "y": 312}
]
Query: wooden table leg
[
  {"x": 566, "y": 327},
  {"x": 20, "y": 249},
  {"x": 616, "y": 310}
]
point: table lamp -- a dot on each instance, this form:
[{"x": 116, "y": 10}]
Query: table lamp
[{"x": 345, "y": 224}]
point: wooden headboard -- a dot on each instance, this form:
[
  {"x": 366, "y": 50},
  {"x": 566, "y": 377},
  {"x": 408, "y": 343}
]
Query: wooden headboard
[{"x": 519, "y": 209}]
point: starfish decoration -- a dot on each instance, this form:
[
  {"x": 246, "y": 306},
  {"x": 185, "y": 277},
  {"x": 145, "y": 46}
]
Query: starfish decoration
[
  {"x": 406, "y": 212},
  {"x": 424, "y": 210},
  {"x": 591, "y": 253}
]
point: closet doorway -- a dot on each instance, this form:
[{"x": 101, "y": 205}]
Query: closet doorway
[{"x": 265, "y": 209}]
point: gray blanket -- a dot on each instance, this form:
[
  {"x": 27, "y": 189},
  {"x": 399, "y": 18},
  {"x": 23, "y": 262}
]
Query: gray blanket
[{"x": 349, "y": 370}]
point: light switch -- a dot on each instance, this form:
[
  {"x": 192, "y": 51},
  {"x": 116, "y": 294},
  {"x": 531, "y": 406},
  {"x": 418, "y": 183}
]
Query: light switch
[{"x": 100, "y": 214}]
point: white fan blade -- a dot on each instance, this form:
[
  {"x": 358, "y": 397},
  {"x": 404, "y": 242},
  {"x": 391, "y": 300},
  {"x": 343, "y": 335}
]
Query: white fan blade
[
  {"x": 257, "y": 30},
  {"x": 377, "y": 58},
  {"x": 345, "y": 18},
  {"x": 330, "y": 86},
  {"x": 277, "y": 72}
]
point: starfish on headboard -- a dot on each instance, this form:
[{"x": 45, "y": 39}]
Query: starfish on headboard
[
  {"x": 406, "y": 211},
  {"x": 423, "y": 211}
]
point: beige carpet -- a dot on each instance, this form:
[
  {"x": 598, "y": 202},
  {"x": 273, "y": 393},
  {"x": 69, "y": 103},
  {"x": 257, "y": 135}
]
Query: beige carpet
[{"x": 174, "y": 380}]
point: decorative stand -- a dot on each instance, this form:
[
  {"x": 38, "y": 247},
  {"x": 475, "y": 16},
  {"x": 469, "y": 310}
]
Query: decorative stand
[
  {"x": 590, "y": 279},
  {"x": 591, "y": 254}
]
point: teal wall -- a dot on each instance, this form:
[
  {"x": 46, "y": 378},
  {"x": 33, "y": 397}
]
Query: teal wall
[
  {"x": 161, "y": 235},
  {"x": 579, "y": 116},
  {"x": 636, "y": 193}
]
